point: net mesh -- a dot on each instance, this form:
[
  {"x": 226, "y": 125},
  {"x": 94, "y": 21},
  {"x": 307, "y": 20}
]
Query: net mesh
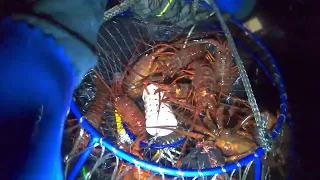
[{"x": 118, "y": 41}]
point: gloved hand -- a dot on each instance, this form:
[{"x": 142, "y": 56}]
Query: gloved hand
[{"x": 82, "y": 18}]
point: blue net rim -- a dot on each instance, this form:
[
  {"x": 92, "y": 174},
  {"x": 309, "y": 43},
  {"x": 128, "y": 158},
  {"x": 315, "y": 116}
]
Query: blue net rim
[
  {"x": 257, "y": 154},
  {"x": 97, "y": 137}
]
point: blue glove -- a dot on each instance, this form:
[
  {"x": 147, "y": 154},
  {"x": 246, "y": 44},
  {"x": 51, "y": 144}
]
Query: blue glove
[
  {"x": 82, "y": 17},
  {"x": 37, "y": 80},
  {"x": 240, "y": 9}
]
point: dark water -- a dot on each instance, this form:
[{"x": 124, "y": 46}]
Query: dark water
[{"x": 295, "y": 53}]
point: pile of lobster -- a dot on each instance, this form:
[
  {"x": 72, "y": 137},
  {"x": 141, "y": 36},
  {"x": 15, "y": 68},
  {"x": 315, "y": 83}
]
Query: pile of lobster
[{"x": 196, "y": 76}]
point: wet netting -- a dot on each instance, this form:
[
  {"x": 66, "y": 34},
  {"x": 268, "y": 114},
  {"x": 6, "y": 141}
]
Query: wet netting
[{"x": 170, "y": 103}]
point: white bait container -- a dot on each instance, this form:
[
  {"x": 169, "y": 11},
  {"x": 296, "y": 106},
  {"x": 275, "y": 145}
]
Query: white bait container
[{"x": 157, "y": 113}]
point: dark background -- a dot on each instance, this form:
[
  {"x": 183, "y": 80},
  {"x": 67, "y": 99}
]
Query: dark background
[
  {"x": 292, "y": 38},
  {"x": 296, "y": 55}
]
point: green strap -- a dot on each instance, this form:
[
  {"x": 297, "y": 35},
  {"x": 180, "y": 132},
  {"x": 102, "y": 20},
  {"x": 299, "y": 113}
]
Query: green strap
[
  {"x": 84, "y": 173},
  {"x": 165, "y": 8}
]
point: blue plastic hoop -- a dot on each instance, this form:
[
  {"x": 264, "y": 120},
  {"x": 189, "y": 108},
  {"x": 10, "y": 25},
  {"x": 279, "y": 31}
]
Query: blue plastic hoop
[{"x": 256, "y": 155}]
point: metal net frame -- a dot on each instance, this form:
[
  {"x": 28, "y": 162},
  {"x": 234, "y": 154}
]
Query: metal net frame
[{"x": 96, "y": 139}]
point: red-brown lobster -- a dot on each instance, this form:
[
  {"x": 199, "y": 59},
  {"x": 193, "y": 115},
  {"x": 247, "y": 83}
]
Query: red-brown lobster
[
  {"x": 248, "y": 123},
  {"x": 165, "y": 59},
  {"x": 95, "y": 112},
  {"x": 134, "y": 173},
  {"x": 183, "y": 57},
  {"x": 203, "y": 83},
  {"x": 176, "y": 91},
  {"x": 127, "y": 109},
  {"x": 134, "y": 77},
  {"x": 223, "y": 67},
  {"x": 234, "y": 146}
]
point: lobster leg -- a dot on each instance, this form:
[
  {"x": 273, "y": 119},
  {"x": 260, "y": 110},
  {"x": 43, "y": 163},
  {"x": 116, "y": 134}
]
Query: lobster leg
[
  {"x": 157, "y": 45},
  {"x": 219, "y": 114},
  {"x": 234, "y": 69},
  {"x": 164, "y": 54},
  {"x": 220, "y": 93},
  {"x": 200, "y": 127},
  {"x": 239, "y": 156},
  {"x": 195, "y": 118},
  {"x": 135, "y": 147},
  {"x": 182, "y": 152},
  {"x": 190, "y": 134},
  {"x": 208, "y": 121},
  {"x": 184, "y": 105},
  {"x": 236, "y": 157},
  {"x": 245, "y": 134},
  {"x": 182, "y": 77},
  {"x": 187, "y": 71},
  {"x": 236, "y": 100},
  {"x": 210, "y": 57},
  {"x": 242, "y": 122}
]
